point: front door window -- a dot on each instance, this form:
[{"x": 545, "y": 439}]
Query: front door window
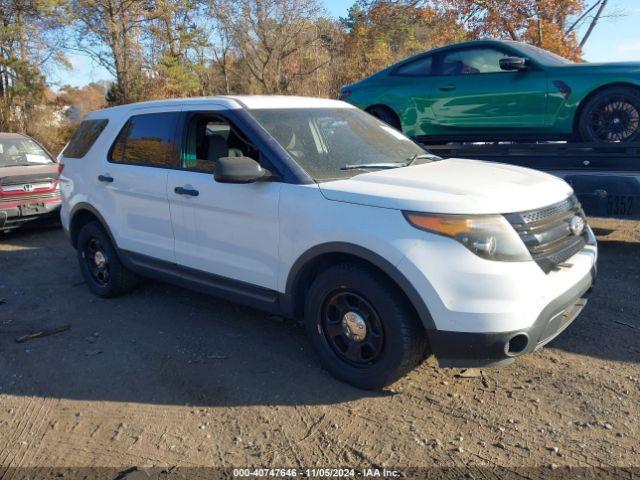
[
  {"x": 209, "y": 138},
  {"x": 472, "y": 61}
]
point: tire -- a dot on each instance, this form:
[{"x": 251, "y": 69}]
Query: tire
[
  {"x": 612, "y": 115},
  {"x": 386, "y": 115},
  {"x": 381, "y": 361},
  {"x": 115, "y": 279}
]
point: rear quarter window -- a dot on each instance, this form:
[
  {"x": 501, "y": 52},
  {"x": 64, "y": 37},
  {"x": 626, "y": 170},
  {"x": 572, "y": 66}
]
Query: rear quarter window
[
  {"x": 84, "y": 138},
  {"x": 418, "y": 68}
]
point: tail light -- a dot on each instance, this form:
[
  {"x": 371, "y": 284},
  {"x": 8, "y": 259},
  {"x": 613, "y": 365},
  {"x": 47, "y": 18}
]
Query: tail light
[{"x": 344, "y": 93}]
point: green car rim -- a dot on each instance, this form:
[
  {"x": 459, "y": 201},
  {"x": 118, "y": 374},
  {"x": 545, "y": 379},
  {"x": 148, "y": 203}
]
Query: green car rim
[{"x": 615, "y": 118}]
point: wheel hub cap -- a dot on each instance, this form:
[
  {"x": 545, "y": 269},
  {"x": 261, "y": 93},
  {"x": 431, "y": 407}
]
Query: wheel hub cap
[
  {"x": 99, "y": 259},
  {"x": 354, "y": 326}
]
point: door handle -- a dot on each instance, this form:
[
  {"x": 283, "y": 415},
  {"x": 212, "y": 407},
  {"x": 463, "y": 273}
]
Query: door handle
[
  {"x": 446, "y": 87},
  {"x": 186, "y": 191},
  {"x": 105, "y": 178}
]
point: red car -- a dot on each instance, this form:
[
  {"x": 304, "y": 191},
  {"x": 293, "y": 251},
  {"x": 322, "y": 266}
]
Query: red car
[{"x": 29, "y": 187}]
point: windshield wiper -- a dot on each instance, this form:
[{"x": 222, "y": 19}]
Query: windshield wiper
[
  {"x": 381, "y": 166},
  {"x": 417, "y": 156},
  {"x": 386, "y": 165}
]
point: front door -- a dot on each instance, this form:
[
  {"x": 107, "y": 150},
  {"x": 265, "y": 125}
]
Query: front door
[
  {"x": 473, "y": 92},
  {"x": 227, "y": 230}
]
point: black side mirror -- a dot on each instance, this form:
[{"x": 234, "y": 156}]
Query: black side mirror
[
  {"x": 514, "y": 63},
  {"x": 238, "y": 170}
]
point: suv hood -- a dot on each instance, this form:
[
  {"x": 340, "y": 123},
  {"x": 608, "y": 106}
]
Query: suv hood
[{"x": 453, "y": 186}]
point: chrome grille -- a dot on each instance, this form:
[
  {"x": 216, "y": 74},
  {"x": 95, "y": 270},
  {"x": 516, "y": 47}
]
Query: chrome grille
[
  {"x": 533, "y": 216},
  {"x": 547, "y": 234}
]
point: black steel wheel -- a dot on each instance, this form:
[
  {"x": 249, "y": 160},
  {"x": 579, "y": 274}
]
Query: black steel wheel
[
  {"x": 97, "y": 261},
  {"x": 612, "y": 116},
  {"x": 363, "y": 328},
  {"x": 352, "y": 327},
  {"x": 100, "y": 265}
]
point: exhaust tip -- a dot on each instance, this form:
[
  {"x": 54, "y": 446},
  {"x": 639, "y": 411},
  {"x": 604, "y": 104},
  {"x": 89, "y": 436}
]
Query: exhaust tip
[{"x": 516, "y": 344}]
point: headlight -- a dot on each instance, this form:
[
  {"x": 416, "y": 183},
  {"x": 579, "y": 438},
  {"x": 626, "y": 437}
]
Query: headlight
[{"x": 488, "y": 236}]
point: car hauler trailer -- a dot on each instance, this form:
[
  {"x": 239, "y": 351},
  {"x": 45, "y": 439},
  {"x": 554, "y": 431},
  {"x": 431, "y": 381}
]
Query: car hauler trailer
[{"x": 606, "y": 178}]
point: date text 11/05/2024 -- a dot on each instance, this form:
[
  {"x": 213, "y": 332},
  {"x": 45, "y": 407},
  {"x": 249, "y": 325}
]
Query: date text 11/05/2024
[{"x": 316, "y": 472}]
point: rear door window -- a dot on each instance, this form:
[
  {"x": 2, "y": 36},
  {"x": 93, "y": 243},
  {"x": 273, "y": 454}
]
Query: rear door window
[
  {"x": 147, "y": 140},
  {"x": 84, "y": 138}
]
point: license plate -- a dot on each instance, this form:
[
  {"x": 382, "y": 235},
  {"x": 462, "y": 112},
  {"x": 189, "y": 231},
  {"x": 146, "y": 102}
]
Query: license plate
[
  {"x": 622, "y": 205},
  {"x": 32, "y": 209}
]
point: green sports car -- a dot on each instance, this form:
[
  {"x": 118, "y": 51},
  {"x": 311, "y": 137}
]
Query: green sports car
[{"x": 502, "y": 90}]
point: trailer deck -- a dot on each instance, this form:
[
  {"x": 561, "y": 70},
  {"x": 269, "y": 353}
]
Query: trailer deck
[{"x": 606, "y": 178}]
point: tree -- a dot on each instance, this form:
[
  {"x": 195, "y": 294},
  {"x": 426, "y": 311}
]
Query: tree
[
  {"x": 174, "y": 38},
  {"x": 109, "y": 31},
  {"x": 601, "y": 5},
  {"x": 549, "y": 24},
  {"x": 30, "y": 41},
  {"x": 382, "y": 33},
  {"x": 274, "y": 39}
]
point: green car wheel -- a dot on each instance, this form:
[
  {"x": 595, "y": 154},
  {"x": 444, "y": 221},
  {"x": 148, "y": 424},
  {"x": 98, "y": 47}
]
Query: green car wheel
[
  {"x": 386, "y": 115},
  {"x": 612, "y": 115}
]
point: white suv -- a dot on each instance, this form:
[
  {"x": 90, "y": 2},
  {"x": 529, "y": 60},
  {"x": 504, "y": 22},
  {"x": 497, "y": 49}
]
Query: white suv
[{"x": 313, "y": 209}]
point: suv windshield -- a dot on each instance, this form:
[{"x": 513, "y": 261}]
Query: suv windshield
[
  {"x": 332, "y": 143},
  {"x": 21, "y": 151}
]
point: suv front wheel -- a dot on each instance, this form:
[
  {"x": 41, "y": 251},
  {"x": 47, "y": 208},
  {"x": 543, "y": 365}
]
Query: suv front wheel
[
  {"x": 362, "y": 327},
  {"x": 100, "y": 265}
]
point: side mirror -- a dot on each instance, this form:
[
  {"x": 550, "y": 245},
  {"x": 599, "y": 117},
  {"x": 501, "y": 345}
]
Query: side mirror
[
  {"x": 514, "y": 63},
  {"x": 238, "y": 170}
]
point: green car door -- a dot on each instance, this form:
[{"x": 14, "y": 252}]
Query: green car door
[
  {"x": 413, "y": 86},
  {"x": 472, "y": 92}
]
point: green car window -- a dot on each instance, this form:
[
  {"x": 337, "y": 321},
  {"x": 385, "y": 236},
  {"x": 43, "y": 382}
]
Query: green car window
[
  {"x": 417, "y": 68},
  {"x": 472, "y": 61}
]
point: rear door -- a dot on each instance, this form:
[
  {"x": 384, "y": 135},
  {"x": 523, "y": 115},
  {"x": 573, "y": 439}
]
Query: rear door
[
  {"x": 222, "y": 229},
  {"x": 131, "y": 185},
  {"x": 472, "y": 91}
]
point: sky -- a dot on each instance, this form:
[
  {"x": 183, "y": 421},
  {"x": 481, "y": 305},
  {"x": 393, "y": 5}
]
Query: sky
[{"x": 615, "y": 39}]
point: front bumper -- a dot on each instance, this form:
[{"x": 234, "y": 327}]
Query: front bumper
[{"x": 470, "y": 349}]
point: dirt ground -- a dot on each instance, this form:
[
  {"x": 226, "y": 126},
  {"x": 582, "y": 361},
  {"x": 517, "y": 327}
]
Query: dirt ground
[{"x": 168, "y": 377}]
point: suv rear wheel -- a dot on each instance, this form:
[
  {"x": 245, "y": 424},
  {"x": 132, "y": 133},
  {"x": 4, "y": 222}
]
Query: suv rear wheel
[
  {"x": 362, "y": 327},
  {"x": 100, "y": 265}
]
